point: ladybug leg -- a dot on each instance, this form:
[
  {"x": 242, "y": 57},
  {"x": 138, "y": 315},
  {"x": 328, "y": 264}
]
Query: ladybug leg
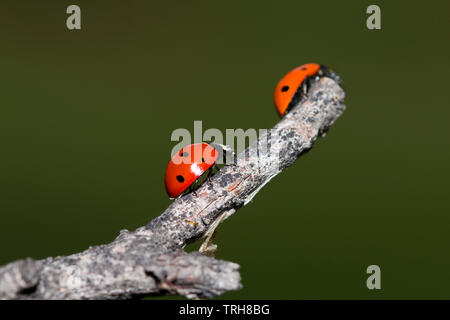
[
  {"x": 305, "y": 87},
  {"x": 192, "y": 188},
  {"x": 208, "y": 173},
  {"x": 306, "y": 84},
  {"x": 212, "y": 171},
  {"x": 200, "y": 180},
  {"x": 196, "y": 185}
]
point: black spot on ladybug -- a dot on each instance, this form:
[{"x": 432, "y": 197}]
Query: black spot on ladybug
[
  {"x": 303, "y": 68},
  {"x": 285, "y": 88},
  {"x": 184, "y": 154},
  {"x": 180, "y": 179},
  {"x": 203, "y": 160}
]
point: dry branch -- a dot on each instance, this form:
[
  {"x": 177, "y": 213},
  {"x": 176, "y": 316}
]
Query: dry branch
[{"x": 151, "y": 260}]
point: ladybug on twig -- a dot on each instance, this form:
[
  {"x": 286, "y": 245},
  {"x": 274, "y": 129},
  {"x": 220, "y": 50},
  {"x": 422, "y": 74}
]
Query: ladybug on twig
[
  {"x": 295, "y": 84},
  {"x": 191, "y": 166}
]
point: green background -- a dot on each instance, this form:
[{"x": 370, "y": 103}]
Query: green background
[{"x": 86, "y": 118}]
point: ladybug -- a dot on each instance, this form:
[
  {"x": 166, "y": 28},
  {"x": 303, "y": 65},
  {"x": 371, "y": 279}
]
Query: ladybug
[
  {"x": 295, "y": 84},
  {"x": 191, "y": 166}
]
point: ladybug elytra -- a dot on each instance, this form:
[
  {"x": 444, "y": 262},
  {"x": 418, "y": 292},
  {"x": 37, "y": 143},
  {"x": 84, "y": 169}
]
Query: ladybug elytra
[
  {"x": 188, "y": 166},
  {"x": 294, "y": 85}
]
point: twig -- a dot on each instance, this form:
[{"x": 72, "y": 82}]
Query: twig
[{"x": 151, "y": 260}]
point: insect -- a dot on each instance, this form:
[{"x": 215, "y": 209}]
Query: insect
[
  {"x": 191, "y": 166},
  {"x": 295, "y": 84}
]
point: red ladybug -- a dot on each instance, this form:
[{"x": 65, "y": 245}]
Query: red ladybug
[
  {"x": 187, "y": 166},
  {"x": 293, "y": 86}
]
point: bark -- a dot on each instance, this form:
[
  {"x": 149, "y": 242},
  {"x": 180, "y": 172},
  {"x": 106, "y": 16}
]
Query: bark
[{"x": 151, "y": 259}]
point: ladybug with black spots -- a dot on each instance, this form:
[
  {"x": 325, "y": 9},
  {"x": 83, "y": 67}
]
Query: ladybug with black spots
[
  {"x": 192, "y": 165},
  {"x": 295, "y": 84}
]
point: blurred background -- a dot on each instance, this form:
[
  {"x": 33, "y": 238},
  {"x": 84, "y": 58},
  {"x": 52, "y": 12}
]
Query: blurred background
[{"x": 86, "y": 118}]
